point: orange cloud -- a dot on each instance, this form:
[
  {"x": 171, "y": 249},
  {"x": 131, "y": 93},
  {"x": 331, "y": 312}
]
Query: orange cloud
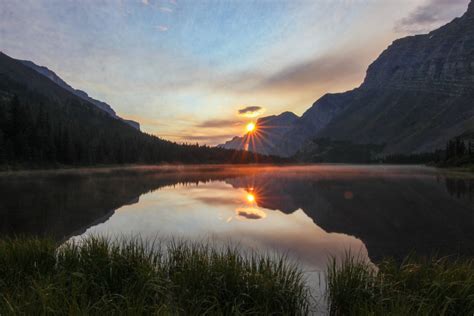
[{"x": 218, "y": 123}]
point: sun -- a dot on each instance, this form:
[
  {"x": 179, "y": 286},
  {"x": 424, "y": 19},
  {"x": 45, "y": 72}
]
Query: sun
[
  {"x": 250, "y": 127},
  {"x": 250, "y": 197}
]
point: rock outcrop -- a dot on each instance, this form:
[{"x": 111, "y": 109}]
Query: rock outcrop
[{"x": 417, "y": 95}]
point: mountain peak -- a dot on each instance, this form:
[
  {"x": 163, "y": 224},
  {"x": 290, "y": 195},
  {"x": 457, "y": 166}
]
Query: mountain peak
[{"x": 470, "y": 8}]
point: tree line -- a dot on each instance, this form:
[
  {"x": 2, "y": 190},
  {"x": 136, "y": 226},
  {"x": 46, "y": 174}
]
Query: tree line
[
  {"x": 458, "y": 151},
  {"x": 37, "y": 131},
  {"x": 458, "y": 148}
]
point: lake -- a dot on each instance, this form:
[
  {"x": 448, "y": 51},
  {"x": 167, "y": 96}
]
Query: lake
[{"x": 310, "y": 213}]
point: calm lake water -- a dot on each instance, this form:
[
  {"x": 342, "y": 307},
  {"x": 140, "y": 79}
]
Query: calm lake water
[{"x": 308, "y": 212}]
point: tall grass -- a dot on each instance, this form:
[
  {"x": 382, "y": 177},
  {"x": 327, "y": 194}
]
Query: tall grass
[
  {"x": 98, "y": 276},
  {"x": 417, "y": 286}
]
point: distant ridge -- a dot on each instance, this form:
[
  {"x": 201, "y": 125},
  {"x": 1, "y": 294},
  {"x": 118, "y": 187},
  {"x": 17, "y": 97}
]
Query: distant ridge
[
  {"x": 51, "y": 75},
  {"x": 270, "y": 130}
]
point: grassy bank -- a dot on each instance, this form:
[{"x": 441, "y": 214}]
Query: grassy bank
[
  {"x": 101, "y": 277},
  {"x": 98, "y": 276},
  {"x": 415, "y": 287}
]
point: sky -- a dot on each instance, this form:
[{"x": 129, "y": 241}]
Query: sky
[{"x": 199, "y": 70}]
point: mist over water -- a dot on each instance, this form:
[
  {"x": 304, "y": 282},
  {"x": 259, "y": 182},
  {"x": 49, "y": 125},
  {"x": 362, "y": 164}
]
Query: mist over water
[{"x": 309, "y": 213}]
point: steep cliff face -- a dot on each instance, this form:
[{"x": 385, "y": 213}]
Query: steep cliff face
[
  {"x": 441, "y": 60},
  {"x": 417, "y": 95}
]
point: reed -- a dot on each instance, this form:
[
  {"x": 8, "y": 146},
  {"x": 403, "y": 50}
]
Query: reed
[
  {"x": 100, "y": 276},
  {"x": 416, "y": 286}
]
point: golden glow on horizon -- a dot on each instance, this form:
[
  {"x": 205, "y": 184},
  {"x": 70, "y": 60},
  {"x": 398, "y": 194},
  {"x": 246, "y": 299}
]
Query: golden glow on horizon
[{"x": 250, "y": 127}]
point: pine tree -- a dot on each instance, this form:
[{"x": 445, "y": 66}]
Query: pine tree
[{"x": 2, "y": 148}]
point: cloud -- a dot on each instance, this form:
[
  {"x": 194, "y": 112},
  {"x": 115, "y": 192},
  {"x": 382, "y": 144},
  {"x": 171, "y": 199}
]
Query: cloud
[
  {"x": 218, "y": 123},
  {"x": 162, "y": 28},
  {"x": 430, "y": 15},
  {"x": 313, "y": 73},
  {"x": 251, "y": 111},
  {"x": 207, "y": 139},
  {"x": 166, "y": 9},
  {"x": 146, "y": 2}
]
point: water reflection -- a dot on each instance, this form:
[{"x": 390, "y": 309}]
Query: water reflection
[
  {"x": 250, "y": 213},
  {"x": 460, "y": 188},
  {"x": 311, "y": 211}
]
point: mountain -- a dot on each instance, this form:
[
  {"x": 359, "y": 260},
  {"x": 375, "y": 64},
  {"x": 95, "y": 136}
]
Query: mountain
[
  {"x": 415, "y": 97},
  {"x": 43, "y": 124},
  {"x": 51, "y": 75},
  {"x": 268, "y": 134},
  {"x": 313, "y": 121}
]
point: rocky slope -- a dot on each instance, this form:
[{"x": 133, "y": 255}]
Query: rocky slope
[
  {"x": 51, "y": 75},
  {"x": 416, "y": 96}
]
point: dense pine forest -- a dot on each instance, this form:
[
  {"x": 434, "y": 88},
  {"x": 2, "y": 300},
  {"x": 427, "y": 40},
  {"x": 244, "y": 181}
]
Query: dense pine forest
[
  {"x": 460, "y": 151},
  {"x": 42, "y": 124}
]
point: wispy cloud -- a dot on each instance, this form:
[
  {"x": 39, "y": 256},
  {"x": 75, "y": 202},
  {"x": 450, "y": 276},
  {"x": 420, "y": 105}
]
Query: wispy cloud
[
  {"x": 251, "y": 111},
  {"x": 162, "y": 28},
  {"x": 166, "y": 9},
  {"x": 430, "y": 15},
  {"x": 329, "y": 72},
  {"x": 206, "y": 139},
  {"x": 319, "y": 71},
  {"x": 146, "y": 2},
  {"x": 218, "y": 123}
]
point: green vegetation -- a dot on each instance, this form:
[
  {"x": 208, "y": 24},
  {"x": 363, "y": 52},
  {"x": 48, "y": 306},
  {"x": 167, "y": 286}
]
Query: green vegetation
[
  {"x": 460, "y": 152},
  {"x": 414, "y": 287},
  {"x": 338, "y": 151},
  {"x": 99, "y": 276}
]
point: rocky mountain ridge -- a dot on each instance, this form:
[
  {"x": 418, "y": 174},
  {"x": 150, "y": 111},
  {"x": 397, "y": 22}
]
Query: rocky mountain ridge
[
  {"x": 416, "y": 96},
  {"x": 51, "y": 75}
]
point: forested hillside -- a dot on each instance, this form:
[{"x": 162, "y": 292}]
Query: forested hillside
[{"x": 43, "y": 124}]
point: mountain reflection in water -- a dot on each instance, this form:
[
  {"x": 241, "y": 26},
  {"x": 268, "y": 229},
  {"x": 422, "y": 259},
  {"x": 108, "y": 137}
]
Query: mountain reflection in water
[{"x": 310, "y": 210}]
